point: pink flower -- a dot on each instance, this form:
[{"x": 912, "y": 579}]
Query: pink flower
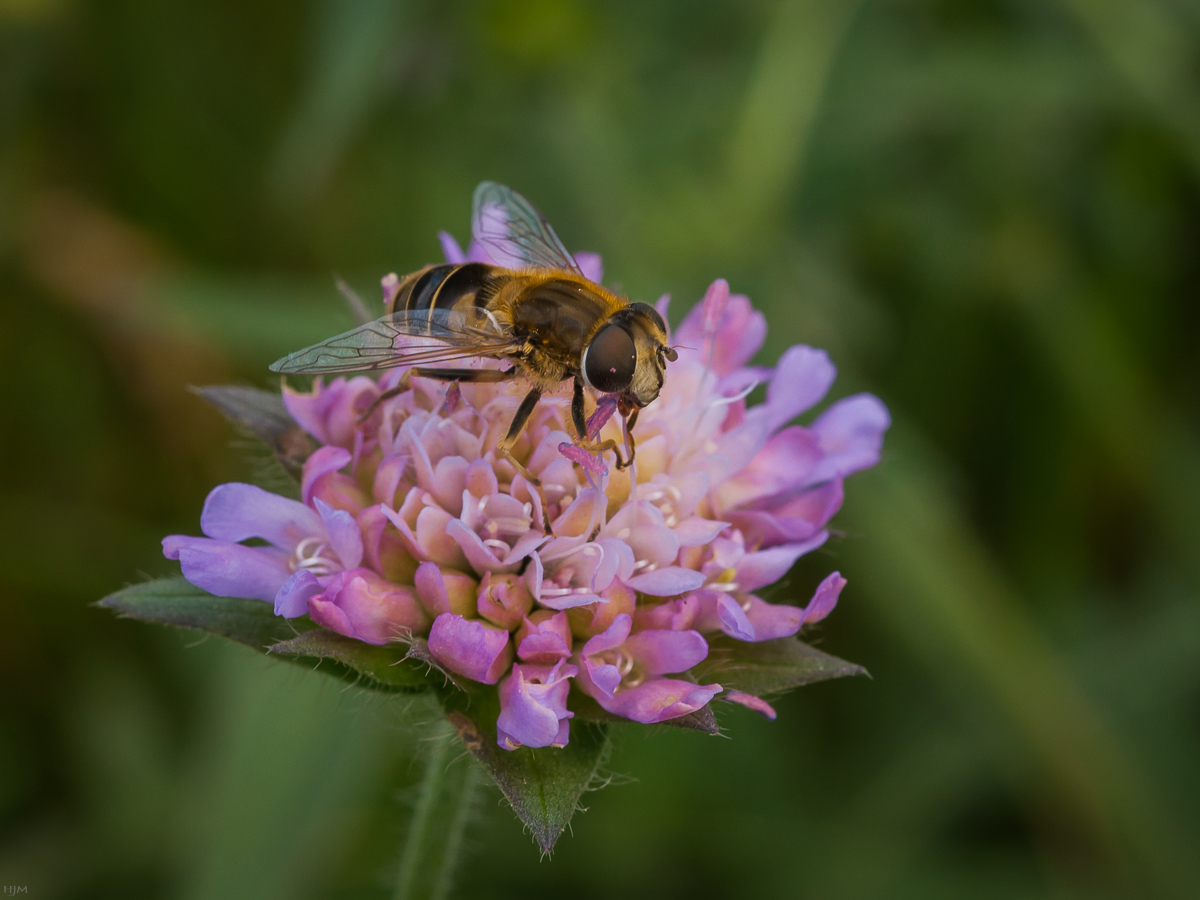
[
  {"x": 595, "y": 580},
  {"x": 533, "y": 706}
]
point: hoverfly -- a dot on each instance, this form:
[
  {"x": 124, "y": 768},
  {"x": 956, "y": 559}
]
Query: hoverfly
[{"x": 534, "y": 309}]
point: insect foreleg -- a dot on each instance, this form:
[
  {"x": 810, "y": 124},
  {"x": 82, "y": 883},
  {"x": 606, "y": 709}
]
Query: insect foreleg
[
  {"x": 580, "y": 423},
  {"x": 630, "y": 446},
  {"x": 524, "y": 411}
]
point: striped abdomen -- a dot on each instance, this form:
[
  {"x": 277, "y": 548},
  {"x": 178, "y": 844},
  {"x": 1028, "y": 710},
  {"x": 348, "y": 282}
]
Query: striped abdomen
[{"x": 447, "y": 286}]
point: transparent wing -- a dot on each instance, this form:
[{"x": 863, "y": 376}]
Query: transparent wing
[
  {"x": 514, "y": 233},
  {"x": 404, "y": 338}
]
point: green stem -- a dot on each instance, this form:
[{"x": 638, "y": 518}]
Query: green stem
[{"x": 439, "y": 820}]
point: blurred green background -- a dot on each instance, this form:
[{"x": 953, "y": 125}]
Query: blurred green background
[{"x": 987, "y": 210}]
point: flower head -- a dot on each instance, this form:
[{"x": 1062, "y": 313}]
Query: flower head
[{"x": 593, "y": 582}]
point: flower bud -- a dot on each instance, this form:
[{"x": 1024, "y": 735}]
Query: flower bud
[
  {"x": 504, "y": 600},
  {"x": 360, "y": 604}
]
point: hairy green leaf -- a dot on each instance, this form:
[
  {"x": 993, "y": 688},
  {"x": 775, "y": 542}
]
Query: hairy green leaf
[
  {"x": 387, "y": 668},
  {"x": 173, "y": 601},
  {"x": 769, "y": 667},
  {"x": 543, "y": 785}
]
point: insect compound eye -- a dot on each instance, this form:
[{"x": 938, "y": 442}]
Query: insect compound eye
[{"x": 610, "y": 359}]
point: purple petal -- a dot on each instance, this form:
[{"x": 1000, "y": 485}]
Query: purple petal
[
  {"x": 802, "y": 377},
  {"x": 661, "y": 305},
  {"x": 322, "y": 462},
  {"x": 676, "y": 615},
  {"x": 667, "y": 581},
  {"x": 613, "y": 636},
  {"x": 851, "y": 434},
  {"x": 772, "y": 620},
  {"x": 227, "y": 569},
  {"x": 504, "y": 600},
  {"x": 388, "y": 477},
  {"x": 697, "y": 531},
  {"x": 307, "y": 409},
  {"x": 545, "y": 642},
  {"x": 450, "y": 248},
  {"x": 758, "y": 704},
  {"x": 431, "y": 588},
  {"x": 237, "y": 512},
  {"x": 736, "y": 337},
  {"x": 590, "y": 264},
  {"x": 442, "y": 592},
  {"x": 344, "y": 534},
  {"x": 533, "y": 706},
  {"x": 434, "y": 541},
  {"x": 783, "y": 463},
  {"x": 360, "y": 604},
  {"x": 713, "y": 304},
  {"x": 756, "y": 570},
  {"x": 733, "y": 619},
  {"x": 659, "y": 699},
  {"x": 293, "y": 596},
  {"x": 662, "y": 652},
  {"x": 583, "y": 515},
  {"x": 570, "y": 601},
  {"x": 480, "y": 557},
  {"x": 391, "y": 286},
  {"x": 825, "y": 598},
  {"x": 470, "y": 648}
]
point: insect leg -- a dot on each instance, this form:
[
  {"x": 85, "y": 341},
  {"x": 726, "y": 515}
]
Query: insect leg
[
  {"x": 400, "y": 388},
  {"x": 524, "y": 411},
  {"x": 580, "y": 423},
  {"x": 577, "y": 417},
  {"x": 630, "y": 446},
  {"x": 476, "y": 376}
]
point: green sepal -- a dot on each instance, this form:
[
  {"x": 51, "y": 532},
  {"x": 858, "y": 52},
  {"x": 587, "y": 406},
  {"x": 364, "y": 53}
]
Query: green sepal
[
  {"x": 769, "y": 667},
  {"x": 386, "y": 668},
  {"x": 588, "y": 710},
  {"x": 542, "y": 785},
  {"x": 173, "y": 601}
]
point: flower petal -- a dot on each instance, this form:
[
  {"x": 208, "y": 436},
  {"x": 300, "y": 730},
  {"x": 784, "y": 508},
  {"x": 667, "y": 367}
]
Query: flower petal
[
  {"x": 758, "y": 704},
  {"x": 227, "y": 569},
  {"x": 450, "y": 248},
  {"x": 667, "y": 581},
  {"x": 360, "y": 604},
  {"x": 238, "y": 512},
  {"x": 293, "y": 596},
  {"x": 533, "y": 706},
  {"x": 661, "y": 652},
  {"x": 733, "y": 619},
  {"x": 470, "y": 648},
  {"x": 545, "y": 642},
  {"x": 590, "y": 264},
  {"x": 344, "y": 534},
  {"x": 322, "y": 462},
  {"x": 851, "y": 434},
  {"x": 756, "y": 570},
  {"x": 802, "y": 377},
  {"x": 659, "y": 699},
  {"x": 824, "y": 599}
]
